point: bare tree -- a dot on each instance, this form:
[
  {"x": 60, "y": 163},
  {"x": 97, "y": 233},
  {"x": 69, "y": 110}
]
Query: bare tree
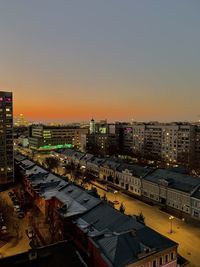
[{"x": 52, "y": 163}]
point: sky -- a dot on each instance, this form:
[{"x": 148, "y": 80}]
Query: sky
[{"x": 71, "y": 60}]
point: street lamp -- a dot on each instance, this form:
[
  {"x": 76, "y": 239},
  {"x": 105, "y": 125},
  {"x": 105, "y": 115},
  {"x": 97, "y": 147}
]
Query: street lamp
[
  {"x": 32, "y": 237},
  {"x": 115, "y": 193},
  {"x": 171, "y": 219}
]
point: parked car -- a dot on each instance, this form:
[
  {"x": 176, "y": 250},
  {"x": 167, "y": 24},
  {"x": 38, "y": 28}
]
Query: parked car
[
  {"x": 21, "y": 215},
  {"x": 17, "y": 207},
  {"x": 13, "y": 198},
  {"x": 4, "y": 230},
  {"x": 10, "y": 193},
  {"x": 16, "y": 202}
]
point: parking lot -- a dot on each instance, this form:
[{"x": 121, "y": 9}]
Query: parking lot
[{"x": 14, "y": 239}]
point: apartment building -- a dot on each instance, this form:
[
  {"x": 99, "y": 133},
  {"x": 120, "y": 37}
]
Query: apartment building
[
  {"x": 44, "y": 137},
  {"x": 169, "y": 142},
  {"x": 196, "y": 161},
  {"x": 6, "y": 138}
]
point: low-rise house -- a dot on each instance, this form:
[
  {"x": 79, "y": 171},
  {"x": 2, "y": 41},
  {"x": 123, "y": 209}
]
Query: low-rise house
[
  {"x": 76, "y": 158},
  {"x": 93, "y": 166},
  {"x": 71, "y": 156},
  {"x": 42, "y": 186},
  {"x": 195, "y": 204},
  {"x": 118, "y": 240},
  {"x": 170, "y": 188},
  {"x": 107, "y": 170},
  {"x": 73, "y": 200},
  {"x": 84, "y": 159},
  {"x": 67, "y": 155},
  {"x": 128, "y": 177}
]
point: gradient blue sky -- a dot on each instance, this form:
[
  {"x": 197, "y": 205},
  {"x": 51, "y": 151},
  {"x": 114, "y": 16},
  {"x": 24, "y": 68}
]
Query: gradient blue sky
[{"x": 70, "y": 60}]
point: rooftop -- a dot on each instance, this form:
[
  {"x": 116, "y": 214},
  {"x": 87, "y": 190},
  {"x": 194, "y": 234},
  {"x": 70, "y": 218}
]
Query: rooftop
[
  {"x": 49, "y": 256},
  {"x": 175, "y": 180},
  {"x": 135, "y": 170}
]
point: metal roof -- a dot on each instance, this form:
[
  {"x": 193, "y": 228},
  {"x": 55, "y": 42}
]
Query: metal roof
[{"x": 178, "y": 181}]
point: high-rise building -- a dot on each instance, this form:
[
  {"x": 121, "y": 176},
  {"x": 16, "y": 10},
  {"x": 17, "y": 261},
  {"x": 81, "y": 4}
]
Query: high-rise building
[
  {"x": 6, "y": 138},
  {"x": 170, "y": 142},
  {"x": 21, "y": 121}
]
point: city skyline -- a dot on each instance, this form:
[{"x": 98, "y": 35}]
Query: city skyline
[{"x": 71, "y": 61}]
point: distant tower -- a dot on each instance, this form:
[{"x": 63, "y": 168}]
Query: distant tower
[
  {"x": 20, "y": 121},
  {"x": 92, "y": 126},
  {"x": 6, "y": 138}
]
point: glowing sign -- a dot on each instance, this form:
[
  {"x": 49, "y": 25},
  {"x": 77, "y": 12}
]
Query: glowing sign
[{"x": 56, "y": 146}]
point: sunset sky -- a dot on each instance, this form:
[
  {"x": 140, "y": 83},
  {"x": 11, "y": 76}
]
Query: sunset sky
[{"x": 70, "y": 60}]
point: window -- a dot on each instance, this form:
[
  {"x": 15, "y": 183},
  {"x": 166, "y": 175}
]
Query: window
[
  {"x": 172, "y": 255},
  {"x": 154, "y": 263},
  {"x": 166, "y": 258},
  {"x": 161, "y": 261}
]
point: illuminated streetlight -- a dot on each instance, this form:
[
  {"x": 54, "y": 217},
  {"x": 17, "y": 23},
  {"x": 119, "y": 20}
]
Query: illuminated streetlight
[
  {"x": 115, "y": 194},
  {"x": 171, "y": 219}
]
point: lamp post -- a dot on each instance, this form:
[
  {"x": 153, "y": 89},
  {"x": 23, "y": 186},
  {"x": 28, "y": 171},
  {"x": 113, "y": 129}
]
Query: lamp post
[
  {"x": 31, "y": 236},
  {"x": 171, "y": 219},
  {"x": 115, "y": 193}
]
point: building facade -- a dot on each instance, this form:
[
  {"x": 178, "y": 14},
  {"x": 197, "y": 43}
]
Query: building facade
[
  {"x": 6, "y": 138},
  {"x": 168, "y": 142},
  {"x": 44, "y": 137}
]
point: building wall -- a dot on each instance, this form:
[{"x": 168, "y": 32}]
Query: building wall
[
  {"x": 178, "y": 200},
  {"x": 150, "y": 190},
  {"x": 42, "y": 135},
  {"x": 171, "y": 142},
  {"x": 166, "y": 258},
  {"x": 105, "y": 172},
  {"x": 6, "y": 138},
  {"x": 129, "y": 182},
  {"x": 195, "y": 208}
]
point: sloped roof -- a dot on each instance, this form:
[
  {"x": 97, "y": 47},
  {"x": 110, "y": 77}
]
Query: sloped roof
[
  {"x": 19, "y": 157},
  {"x": 196, "y": 194},
  {"x": 27, "y": 164},
  {"x": 77, "y": 199},
  {"x": 126, "y": 248},
  {"x": 181, "y": 182},
  {"x": 135, "y": 170},
  {"x": 112, "y": 164},
  {"x": 87, "y": 157},
  {"x": 96, "y": 161},
  {"x": 106, "y": 217}
]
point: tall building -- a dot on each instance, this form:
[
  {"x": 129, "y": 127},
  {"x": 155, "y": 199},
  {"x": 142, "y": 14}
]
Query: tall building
[
  {"x": 21, "y": 121},
  {"x": 6, "y": 138},
  {"x": 103, "y": 138},
  {"x": 169, "y": 142}
]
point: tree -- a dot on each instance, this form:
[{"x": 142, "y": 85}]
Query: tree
[
  {"x": 52, "y": 163},
  {"x": 122, "y": 208},
  {"x": 104, "y": 197},
  {"x": 140, "y": 217}
]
